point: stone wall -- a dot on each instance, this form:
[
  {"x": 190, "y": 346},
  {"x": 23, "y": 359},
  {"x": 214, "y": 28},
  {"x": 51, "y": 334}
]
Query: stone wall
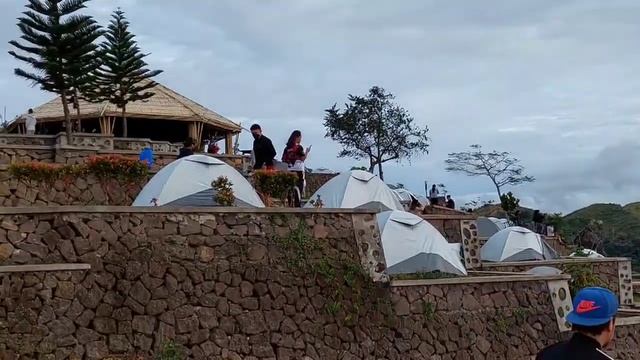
[
  {"x": 228, "y": 284},
  {"x": 55, "y": 148},
  {"x": 448, "y": 225},
  {"x": 441, "y": 210},
  {"x": 77, "y": 191},
  {"x": 605, "y": 269}
]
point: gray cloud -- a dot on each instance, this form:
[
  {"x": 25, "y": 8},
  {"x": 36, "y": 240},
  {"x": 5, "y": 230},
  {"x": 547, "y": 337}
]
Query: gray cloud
[{"x": 553, "y": 82}]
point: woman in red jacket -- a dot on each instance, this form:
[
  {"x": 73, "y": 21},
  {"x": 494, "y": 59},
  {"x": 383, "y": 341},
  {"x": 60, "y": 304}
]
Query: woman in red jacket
[{"x": 294, "y": 156}]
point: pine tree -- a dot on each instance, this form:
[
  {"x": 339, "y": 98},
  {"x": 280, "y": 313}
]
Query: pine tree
[
  {"x": 57, "y": 42},
  {"x": 123, "y": 77}
]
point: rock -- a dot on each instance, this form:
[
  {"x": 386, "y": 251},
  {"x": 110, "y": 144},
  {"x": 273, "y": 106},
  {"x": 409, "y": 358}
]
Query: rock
[
  {"x": 65, "y": 290},
  {"x": 62, "y": 327},
  {"x": 6, "y": 250},
  {"x": 105, "y": 325},
  {"x": 469, "y": 302},
  {"x": 38, "y": 250},
  {"x": 119, "y": 344},
  {"x": 207, "y": 318},
  {"x": 90, "y": 298},
  {"x": 483, "y": 345},
  {"x": 156, "y": 307},
  {"x": 187, "y": 325},
  {"x": 21, "y": 256},
  {"x": 252, "y": 323},
  {"x": 402, "y": 307},
  {"x": 97, "y": 350},
  {"x": 256, "y": 252},
  {"x": 82, "y": 245},
  {"x": 206, "y": 254},
  {"x": 144, "y": 324},
  {"x": 85, "y": 335},
  {"x": 262, "y": 350},
  {"x": 67, "y": 251},
  {"x": 140, "y": 293},
  {"x": 9, "y": 225},
  {"x": 189, "y": 228},
  {"x": 499, "y": 299}
]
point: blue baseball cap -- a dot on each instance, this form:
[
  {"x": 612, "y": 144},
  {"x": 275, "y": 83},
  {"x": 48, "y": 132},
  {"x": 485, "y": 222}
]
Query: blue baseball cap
[{"x": 593, "y": 306}]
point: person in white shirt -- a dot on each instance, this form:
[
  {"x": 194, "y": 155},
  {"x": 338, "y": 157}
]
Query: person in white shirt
[
  {"x": 433, "y": 195},
  {"x": 30, "y": 122}
]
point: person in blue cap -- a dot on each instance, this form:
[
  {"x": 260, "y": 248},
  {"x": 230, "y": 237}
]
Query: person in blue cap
[{"x": 593, "y": 322}]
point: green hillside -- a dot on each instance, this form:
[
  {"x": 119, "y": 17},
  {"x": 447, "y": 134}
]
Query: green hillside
[
  {"x": 620, "y": 227},
  {"x": 633, "y": 208}
]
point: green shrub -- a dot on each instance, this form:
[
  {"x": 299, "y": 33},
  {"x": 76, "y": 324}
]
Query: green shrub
[
  {"x": 102, "y": 167},
  {"x": 274, "y": 184},
  {"x": 224, "y": 191}
]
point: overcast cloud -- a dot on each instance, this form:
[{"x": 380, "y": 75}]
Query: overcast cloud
[{"x": 554, "y": 82}]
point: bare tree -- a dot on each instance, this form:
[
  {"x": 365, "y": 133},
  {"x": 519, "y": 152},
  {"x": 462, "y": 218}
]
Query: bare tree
[{"x": 500, "y": 167}]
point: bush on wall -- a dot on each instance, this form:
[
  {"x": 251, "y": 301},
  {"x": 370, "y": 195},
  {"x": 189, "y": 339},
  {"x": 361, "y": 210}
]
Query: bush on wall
[
  {"x": 274, "y": 184},
  {"x": 102, "y": 167}
]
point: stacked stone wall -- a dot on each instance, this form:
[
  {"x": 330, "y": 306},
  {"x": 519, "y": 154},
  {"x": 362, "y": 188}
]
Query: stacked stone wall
[
  {"x": 74, "y": 191},
  {"x": 234, "y": 285}
]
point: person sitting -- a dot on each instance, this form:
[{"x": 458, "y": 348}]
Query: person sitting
[
  {"x": 188, "y": 148},
  {"x": 263, "y": 150},
  {"x": 450, "y": 203},
  {"x": 593, "y": 321}
]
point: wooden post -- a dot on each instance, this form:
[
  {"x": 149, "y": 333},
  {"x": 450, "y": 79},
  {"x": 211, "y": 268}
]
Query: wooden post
[{"x": 228, "y": 144}]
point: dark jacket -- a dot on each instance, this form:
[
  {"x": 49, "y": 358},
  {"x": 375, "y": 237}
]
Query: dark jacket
[
  {"x": 263, "y": 151},
  {"x": 185, "y": 152},
  {"x": 580, "y": 347}
]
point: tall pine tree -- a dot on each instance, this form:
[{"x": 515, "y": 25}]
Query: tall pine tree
[
  {"x": 56, "y": 41},
  {"x": 123, "y": 76}
]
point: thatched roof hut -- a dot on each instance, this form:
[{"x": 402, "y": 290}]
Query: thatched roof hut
[{"x": 167, "y": 116}]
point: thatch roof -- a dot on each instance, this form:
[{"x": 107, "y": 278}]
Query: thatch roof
[{"x": 166, "y": 104}]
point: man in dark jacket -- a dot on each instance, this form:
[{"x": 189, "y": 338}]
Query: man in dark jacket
[
  {"x": 187, "y": 149},
  {"x": 593, "y": 323},
  {"x": 263, "y": 150}
]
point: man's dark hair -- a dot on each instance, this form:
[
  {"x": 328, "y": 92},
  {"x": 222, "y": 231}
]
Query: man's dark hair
[
  {"x": 30, "y": 111},
  {"x": 592, "y": 330},
  {"x": 255, "y": 127},
  {"x": 448, "y": 196},
  {"x": 189, "y": 142}
]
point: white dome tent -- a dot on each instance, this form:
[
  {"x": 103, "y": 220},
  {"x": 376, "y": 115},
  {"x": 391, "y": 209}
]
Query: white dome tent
[
  {"x": 588, "y": 253},
  {"x": 412, "y": 245},
  {"x": 487, "y": 226},
  {"x": 516, "y": 244},
  {"x": 406, "y": 197},
  {"x": 356, "y": 189},
  {"x": 187, "y": 182}
]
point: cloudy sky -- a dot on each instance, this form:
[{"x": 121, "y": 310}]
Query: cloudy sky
[{"x": 553, "y": 82}]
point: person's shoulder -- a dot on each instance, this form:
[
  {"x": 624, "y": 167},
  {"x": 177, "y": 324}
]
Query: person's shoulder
[{"x": 552, "y": 352}]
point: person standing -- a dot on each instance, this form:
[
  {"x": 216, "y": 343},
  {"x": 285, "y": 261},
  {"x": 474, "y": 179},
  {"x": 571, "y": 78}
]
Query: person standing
[
  {"x": 263, "y": 150},
  {"x": 593, "y": 322},
  {"x": 433, "y": 195},
  {"x": 188, "y": 148},
  {"x": 450, "y": 203},
  {"x": 30, "y": 122},
  {"x": 294, "y": 156}
]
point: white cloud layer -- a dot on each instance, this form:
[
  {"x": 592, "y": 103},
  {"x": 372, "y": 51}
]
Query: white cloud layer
[{"x": 554, "y": 82}]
